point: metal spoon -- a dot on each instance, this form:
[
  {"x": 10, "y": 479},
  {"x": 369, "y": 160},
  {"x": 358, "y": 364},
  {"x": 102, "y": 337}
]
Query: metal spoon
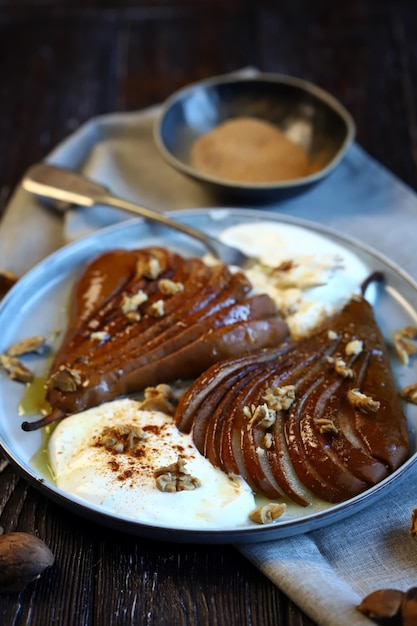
[{"x": 69, "y": 187}]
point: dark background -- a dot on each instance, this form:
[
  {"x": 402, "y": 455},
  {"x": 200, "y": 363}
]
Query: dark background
[{"x": 64, "y": 62}]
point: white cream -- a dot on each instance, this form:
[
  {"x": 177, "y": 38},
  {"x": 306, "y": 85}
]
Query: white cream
[
  {"x": 124, "y": 484},
  {"x": 322, "y": 279}
]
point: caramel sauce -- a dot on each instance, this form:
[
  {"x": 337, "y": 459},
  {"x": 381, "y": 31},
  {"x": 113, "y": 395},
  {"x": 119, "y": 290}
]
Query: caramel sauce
[
  {"x": 40, "y": 460},
  {"x": 33, "y": 400}
]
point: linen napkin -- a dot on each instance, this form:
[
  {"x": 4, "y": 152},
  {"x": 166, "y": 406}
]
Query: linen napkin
[{"x": 327, "y": 571}]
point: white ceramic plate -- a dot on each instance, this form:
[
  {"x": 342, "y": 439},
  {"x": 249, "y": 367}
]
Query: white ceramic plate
[{"x": 36, "y": 305}]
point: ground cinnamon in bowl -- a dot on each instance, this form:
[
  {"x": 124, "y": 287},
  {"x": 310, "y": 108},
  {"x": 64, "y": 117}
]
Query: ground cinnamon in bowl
[{"x": 249, "y": 150}]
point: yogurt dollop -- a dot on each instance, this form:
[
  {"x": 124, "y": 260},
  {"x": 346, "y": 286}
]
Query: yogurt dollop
[
  {"x": 308, "y": 275},
  {"x": 88, "y": 462}
]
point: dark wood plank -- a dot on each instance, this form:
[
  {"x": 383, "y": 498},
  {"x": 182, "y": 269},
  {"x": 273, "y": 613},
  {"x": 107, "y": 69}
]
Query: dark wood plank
[
  {"x": 76, "y": 65},
  {"x": 104, "y": 577}
]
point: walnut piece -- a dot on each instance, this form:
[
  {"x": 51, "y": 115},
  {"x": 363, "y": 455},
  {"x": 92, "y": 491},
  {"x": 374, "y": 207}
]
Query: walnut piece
[
  {"x": 409, "y": 332},
  {"x": 304, "y": 272},
  {"x": 148, "y": 268},
  {"x": 409, "y": 393},
  {"x": 361, "y": 401},
  {"x": 159, "y": 398},
  {"x": 267, "y": 513},
  {"x": 169, "y": 287},
  {"x": 15, "y": 369},
  {"x": 100, "y": 335},
  {"x": 267, "y": 441},
  {"x": 131, "y": 304},
  {"x": 174, "y": 477},
  {"x": 30, "y": 344},
  {"x": 280, "y": 398},
  {"x": 340, "y": 367},
  {"x": 122, "y": 438},
  {"x": 403, "y": 344},
  {"x": 354, "y": 347},
  {"x": 284, "y": 266},
  {"x": 66, "y": 380},
  {"x": 156, "y": 309},
  {"x": 260, "y": 416},
  {"x": 326, "y": 426}
]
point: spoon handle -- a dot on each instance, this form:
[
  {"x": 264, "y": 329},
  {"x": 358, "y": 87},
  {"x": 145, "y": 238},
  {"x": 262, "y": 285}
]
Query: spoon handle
[
  {"x": 155, "y": 216},
  {"x": 70, "y": 187}
]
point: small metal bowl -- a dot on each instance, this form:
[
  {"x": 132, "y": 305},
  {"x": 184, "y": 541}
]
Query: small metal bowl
[{"x": 305, "y": 113}]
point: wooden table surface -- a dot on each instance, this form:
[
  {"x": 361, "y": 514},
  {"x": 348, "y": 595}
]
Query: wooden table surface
[{"x": 64, "y": 62}]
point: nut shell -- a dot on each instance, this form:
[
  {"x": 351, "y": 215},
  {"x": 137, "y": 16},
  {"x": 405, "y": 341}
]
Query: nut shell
[
  {"x": 382, "y": 604},
  {"x": 409, "y": 607},
  {"x": 23, "y": 558}
]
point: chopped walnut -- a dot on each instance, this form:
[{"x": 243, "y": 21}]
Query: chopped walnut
[
  {"x": 410, "y": 332},
  {"x": 130, "y": 304},
  {"x": 260, "y": 416},
  {"x": 169, "y": 287},
  {"x": 267, "y": 513},
  {"x": 280, "y": 398},
  {"x": 403, "y": 344},
  {"x": 134, "y": 316},
  {"x": 267, "y": 441},
  {"x": 15, "y": 369},
  {"x": 413, "y": 527},
  {"x": 326, "y": 426},
  {"x": 247, "y": 411},
  {"x": 148, "y": 268},
  {"x": 284, "y": 266},
  {"x": 156, "y": 309},
  {"x": 342, "y": 369},
  {"x": 121, "y": 438},
  {"x": 175, "y": 478},
  {"x": 66, "y": 379},
  {"x": 361, "y": 401},
  {"x": 409, "y": 393},
  {"x": 30, "y": 344},
  {"x": 303, "y": 273},
  {"x": 100, "y": 336},
  {"x": 354, "y": 347},
  {"x": 159, "y": 398}
]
